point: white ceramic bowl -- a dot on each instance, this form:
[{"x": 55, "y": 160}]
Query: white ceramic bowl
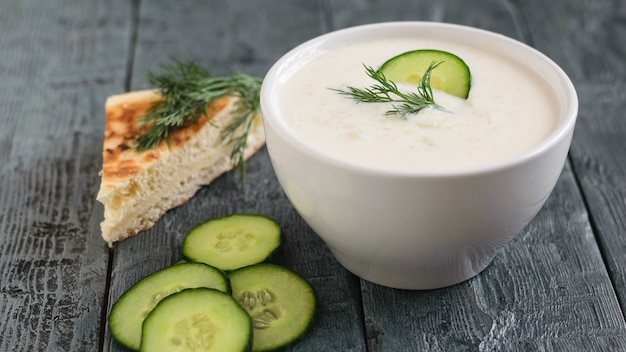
[{"x": 416, "y": 230}]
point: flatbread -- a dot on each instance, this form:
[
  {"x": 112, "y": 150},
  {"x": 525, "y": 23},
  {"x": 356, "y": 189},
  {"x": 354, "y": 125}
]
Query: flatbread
[{"x": 138, "y": 187}]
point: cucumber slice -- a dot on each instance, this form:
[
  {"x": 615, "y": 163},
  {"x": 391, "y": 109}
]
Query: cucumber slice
[
  {"x": 280, "y": 302},
  {"x": 197, "y": 319},
  {"x": 130, "y": 310},
  {"x": 234, "y": 241},
  {"x": 451, "y": 76}
]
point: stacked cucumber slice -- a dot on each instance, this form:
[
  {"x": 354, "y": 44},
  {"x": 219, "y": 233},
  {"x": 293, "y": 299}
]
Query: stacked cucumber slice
[
  {"x": 197, "y": 319},
  {"x": 451, "y": 76},
  {"x": 280, "y": 303},
  {"x": 130, "y": 310},
  {"x": 223, "y": 297},
  {"x": 233, "y": 242}
]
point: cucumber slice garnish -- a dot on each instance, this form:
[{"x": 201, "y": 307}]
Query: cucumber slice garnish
[
  {"x": 234, "y": 241},
  {"x": 280, "y": 302},
  {"x": 198, "y": 319},
  {"x": 451, "y": 76},
  {"x": 130, "y": 310}
]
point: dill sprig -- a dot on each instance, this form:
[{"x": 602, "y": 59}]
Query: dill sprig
[
  {"x": 386, "y": 91},
  {"x": 187, "y": 91}
]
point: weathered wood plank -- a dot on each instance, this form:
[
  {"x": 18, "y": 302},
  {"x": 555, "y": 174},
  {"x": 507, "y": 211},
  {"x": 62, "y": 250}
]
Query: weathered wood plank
[
  {"x": 548, "y": 290},
  {"x": 57, "y": 62},
  {"x": 589, "y": 43},
  {"x": 495, "y": 15},
  {"x": 223, "y": 36}
]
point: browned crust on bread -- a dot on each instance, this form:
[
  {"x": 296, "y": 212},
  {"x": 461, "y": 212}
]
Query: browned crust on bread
[{"x": 120, "y": 160}]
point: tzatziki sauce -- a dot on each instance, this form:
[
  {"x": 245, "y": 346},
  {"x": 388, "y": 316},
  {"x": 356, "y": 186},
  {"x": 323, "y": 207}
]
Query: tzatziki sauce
[{"x": 509, "y": 110}]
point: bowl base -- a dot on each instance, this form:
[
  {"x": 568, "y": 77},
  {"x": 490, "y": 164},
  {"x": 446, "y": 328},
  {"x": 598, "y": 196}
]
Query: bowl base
[{"x": 417, "y": 277}]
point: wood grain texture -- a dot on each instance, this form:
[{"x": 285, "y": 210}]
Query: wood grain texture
[
  {"x": 547, "y": 290},
  {"x": 559, "y": 286},
  {"x": 57, "y": 62},
  {"x": 598, "y": 150},
  {"x": 495, "y": 15}
]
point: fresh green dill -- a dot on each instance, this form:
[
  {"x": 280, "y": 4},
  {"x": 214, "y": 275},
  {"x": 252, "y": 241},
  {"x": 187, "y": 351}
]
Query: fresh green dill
[
  {"x": 188, "y": 90},
  {"x": 386, "y": 91}
]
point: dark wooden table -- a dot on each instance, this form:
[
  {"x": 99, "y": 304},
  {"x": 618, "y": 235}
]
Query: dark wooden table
[{"x": 559, "y": 286}]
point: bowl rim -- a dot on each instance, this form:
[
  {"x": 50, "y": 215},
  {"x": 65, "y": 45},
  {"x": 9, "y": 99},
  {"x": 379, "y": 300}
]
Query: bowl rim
[{"x": 272, "y": 116}]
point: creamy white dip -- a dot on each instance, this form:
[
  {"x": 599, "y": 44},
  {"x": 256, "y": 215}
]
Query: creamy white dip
[{"x": 509, "y": 110}]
